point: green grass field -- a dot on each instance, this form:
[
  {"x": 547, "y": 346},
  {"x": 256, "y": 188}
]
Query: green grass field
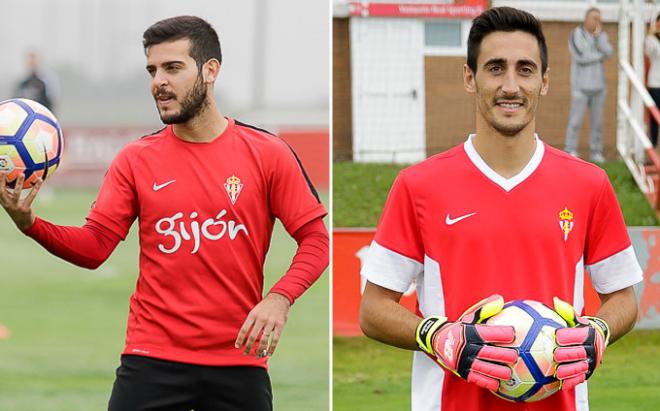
[
  {"x": 68, "y": 324},
  {"x": 370, "y": 376}
]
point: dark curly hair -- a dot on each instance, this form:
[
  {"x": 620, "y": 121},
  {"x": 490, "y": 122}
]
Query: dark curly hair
[{"x": 504, "y": 19}]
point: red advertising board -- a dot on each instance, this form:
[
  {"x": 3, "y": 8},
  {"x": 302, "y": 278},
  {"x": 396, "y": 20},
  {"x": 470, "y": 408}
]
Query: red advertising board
[
  {"x": 313, "y": 149},
  {"x": 649, "y": 300},
  {"x": 349, "y": 249},
  {"x": 457, "y": 9}
]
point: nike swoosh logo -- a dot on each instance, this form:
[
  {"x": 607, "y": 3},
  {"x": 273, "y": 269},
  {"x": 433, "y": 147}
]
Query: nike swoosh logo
[
  {"x": 159, "y": 186},
  {"x": 451, "y": 221}
]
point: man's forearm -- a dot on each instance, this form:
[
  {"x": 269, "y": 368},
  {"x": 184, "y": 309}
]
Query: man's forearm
[
  {"x": 619, "y": 310},
  {"x": 604, "y": 45},
  {"x": 311, "y": 259},
  {"x": 387, "y": 321},
  {"x": 87, "y": 246},
  {"x": 587, "y": 58}
]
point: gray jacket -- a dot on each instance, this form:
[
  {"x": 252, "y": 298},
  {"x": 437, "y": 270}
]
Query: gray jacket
[{"x": 588, "y": 53}]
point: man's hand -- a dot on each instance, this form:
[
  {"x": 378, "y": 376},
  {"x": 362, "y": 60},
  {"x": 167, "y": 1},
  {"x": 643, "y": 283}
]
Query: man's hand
[
  {"x": 266, "y": 320},
  {"x": 19, "y": 210},
  {"x": 581, "y": 346},
  {"x": 464, "y": 347},
  {"x": 598, "y": 30}
]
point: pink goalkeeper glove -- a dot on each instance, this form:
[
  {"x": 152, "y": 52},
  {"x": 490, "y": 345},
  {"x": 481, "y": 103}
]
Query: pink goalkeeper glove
[
  {"x": 581, "y": 346},
  {"x": 465, "y": 347}
]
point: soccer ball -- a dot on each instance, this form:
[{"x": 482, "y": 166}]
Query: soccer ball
[
  {"x": 533, "y": 373},
  {"x": 30, "y": 141}
]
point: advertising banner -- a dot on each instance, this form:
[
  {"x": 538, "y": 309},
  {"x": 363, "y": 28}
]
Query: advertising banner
[{"x": 457, "y": 9}]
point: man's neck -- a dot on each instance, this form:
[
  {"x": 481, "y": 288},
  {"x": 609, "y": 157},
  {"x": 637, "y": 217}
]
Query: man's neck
[
  {"x": 506, "y": 155},
  {"x": 203, "y": 128}
]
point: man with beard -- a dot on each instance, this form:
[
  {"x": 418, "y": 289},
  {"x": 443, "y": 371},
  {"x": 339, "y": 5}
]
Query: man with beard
[
  {"x": 503, "y": 216},
  {"x": 205, "y": 190}
]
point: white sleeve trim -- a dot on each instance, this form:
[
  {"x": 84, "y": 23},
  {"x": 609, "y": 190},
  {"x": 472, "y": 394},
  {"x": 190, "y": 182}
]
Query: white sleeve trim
[
  {"x": 616, "y": 272},
  {"x": 582, "y": 397},
  {"x": 390, "y": 269},
  {"x": 427, "y": 380}
]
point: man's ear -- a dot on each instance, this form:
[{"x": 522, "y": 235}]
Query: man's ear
[
  {"x": 545, "y": 82},
  {"x": 469, "y": 82},
  {"x": 211, "y": 70}
]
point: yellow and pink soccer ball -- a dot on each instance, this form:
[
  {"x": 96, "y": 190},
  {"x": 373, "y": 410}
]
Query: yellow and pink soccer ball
[
  {"x": 533, "y": 373},
  {"x": 31, "y": 141}
]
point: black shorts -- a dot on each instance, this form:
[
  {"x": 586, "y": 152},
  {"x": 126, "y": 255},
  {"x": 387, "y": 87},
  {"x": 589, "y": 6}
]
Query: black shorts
[{"x": 149, "y": 384}]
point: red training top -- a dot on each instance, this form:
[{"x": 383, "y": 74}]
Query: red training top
[
  {"x": 462, "y": 232},
  {"x": 206, "y": 213}
]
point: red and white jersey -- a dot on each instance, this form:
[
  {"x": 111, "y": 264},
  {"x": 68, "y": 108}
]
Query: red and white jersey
[
  {"x": 462, "y": 232},
  {"x": 206, "y": 213}
]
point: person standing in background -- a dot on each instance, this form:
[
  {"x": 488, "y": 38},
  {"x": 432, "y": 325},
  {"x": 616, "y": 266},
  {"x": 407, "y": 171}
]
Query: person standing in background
[
  {"x": 589, "y": 46},
  {"x": 38, "y": 85},
  {"x": 652, "y": 50}
]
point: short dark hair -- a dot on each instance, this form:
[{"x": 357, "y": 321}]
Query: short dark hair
[
  {"x": 590, "y": 10},
  {"x": 504, "y": 19},
  {"x": 204, "y": 42}
]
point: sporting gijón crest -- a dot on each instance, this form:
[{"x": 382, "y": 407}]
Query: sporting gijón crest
[
  {"x": 233, "y": 186},
  {"x": 566, "y": 222}
]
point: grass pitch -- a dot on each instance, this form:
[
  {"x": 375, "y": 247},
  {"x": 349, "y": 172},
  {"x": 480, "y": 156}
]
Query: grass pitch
[
  {"x": 370, "y": 376},
  {"x": 68, "y": 324}
]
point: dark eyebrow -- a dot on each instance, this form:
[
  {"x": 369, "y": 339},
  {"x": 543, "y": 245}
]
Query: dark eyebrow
[
  {"x": 526, "y": 62},
  {"x": 503, "y": 62},
  {"x": 496, "y": 60},
  {"x": 167, "y": 63}
]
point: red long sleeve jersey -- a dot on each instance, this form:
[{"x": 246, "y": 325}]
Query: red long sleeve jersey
[
  {"x": 206, "y": 213},
  {"x": 463, "y": 232}
]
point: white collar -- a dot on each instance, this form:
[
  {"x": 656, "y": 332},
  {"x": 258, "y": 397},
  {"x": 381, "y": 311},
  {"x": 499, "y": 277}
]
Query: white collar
[{"x": 506, "y": 183}]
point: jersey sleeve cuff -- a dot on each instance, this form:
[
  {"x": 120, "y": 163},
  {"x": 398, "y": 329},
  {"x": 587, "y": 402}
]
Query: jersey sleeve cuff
[
  {"x": 616, "y": 272},
  {"x": 283, "y": 293},
  {"x": 32, "y": 228},
  {"x": 389, "y": 269}
]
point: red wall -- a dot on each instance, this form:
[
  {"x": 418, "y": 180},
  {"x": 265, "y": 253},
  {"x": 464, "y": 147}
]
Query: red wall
[{"x": 313, "y": 149}]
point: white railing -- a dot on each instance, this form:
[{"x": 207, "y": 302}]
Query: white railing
[{"x": 633, "y": 143}]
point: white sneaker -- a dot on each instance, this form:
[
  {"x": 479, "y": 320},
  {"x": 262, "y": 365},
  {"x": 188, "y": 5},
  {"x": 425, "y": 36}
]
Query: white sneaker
[
  {"x": 573, "y": 153},
  {"x": 597, "y": 158}
]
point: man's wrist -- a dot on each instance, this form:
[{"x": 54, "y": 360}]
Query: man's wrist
[
  {"x": 602, "y": 325},
  {"x": 425, "y": 330},
  {"x": 280, "y": 296},
  {"x": 26, "y": 224}
]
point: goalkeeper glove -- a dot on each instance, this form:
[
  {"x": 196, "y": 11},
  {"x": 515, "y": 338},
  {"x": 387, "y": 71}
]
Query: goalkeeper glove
[
  {"x": 464, "y": 347},
  {"x": 580, "y": 346}
]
